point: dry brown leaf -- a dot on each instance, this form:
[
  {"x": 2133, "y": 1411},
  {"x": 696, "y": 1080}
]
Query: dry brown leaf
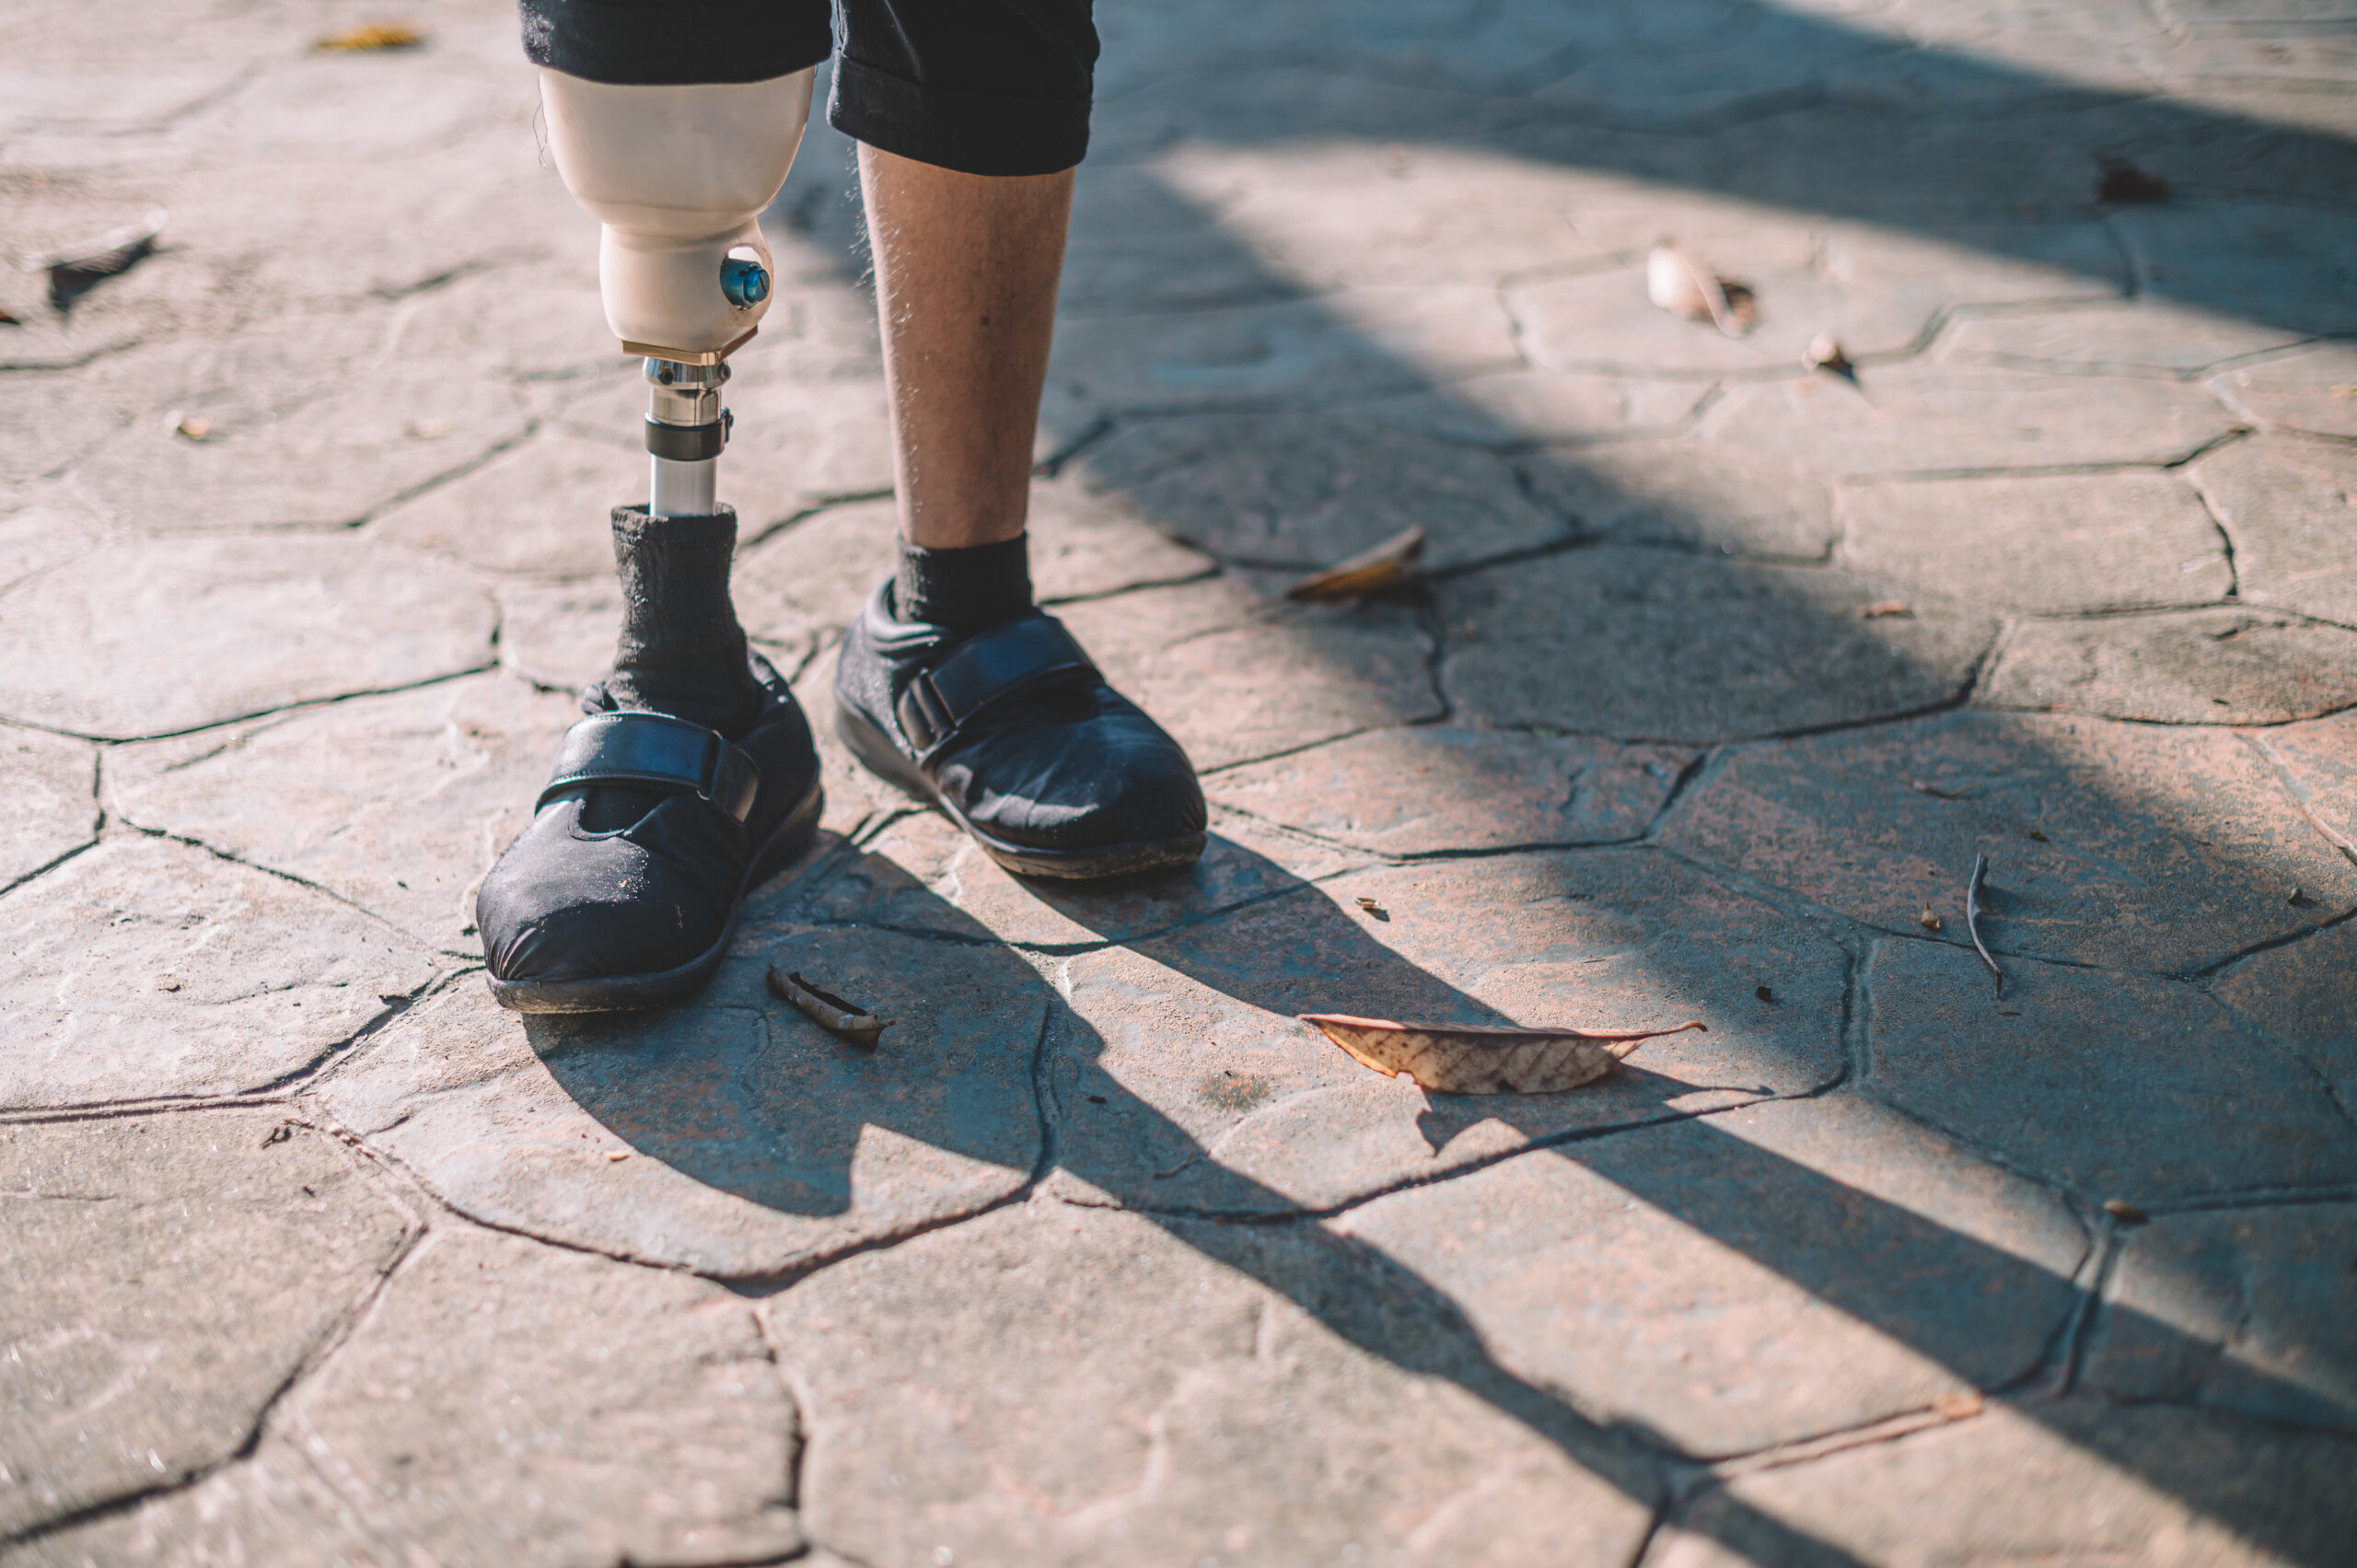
[
  {"x": 847, "y": 1020},
  {"x": 1883, "y": 607},
  {"x": 1469, "y": 1059},
  {"x": 1683, "y": 286},
  {"x": 1374, "y": 909},
  {"x": 9, "y": 318},
  {"x": 1388, "y": 565},
  {"x": 1824, "y": 352},
  {"x": 1927, "y": 919},
  {"x": 375, "y": 38},
  {"x": 101, "y": 255}
]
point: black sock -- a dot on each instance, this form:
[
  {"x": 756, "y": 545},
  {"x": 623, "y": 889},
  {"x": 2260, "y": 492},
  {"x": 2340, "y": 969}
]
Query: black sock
[
  {"x": 682, "y": 651},
  {"x": 967, "y": 590}
]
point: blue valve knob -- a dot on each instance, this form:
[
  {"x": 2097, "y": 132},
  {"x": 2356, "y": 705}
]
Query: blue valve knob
[{"x": 744, "y": 280}]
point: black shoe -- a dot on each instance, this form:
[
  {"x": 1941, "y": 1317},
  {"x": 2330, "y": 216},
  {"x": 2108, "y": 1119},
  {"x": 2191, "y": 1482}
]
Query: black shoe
[
  {"x": 623, "y": 890},
  {"x": 1014, "y": 735}
]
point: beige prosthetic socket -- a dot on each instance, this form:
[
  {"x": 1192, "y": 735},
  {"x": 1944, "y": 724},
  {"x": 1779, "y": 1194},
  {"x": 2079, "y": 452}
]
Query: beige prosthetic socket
[{"x": 679, "y": 177}]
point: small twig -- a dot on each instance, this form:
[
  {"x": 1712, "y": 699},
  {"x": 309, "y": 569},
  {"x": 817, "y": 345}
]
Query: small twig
[{"x": 1972, "y": 918}]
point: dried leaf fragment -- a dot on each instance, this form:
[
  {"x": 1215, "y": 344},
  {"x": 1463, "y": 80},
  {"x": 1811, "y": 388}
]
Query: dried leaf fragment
[
  {"x": 373, "y": 39},
  {"x": 1972, "y": 919},
  {"x": 9, "y": 318},
  {"x": 167, "y": 982},
  {"x": 1938, "y": 793},
  {"x": 1824, "y": 352},
  {"x": 2123, "y": 185},
  {"x": 1374, "y": 909},
  {"x": 1472, "y": 1058},
  {"x": 2124, "y": 1212},
  {"x": 196, "y": 427},
  {"x": 1959, "y": 1406},
  {"x": 1927, "y": 919},
  {"x": 1388, "y": 565},
  {"x": 2037, "y": 836},
  {"x": 1678, "y": 283},
  {"x": 1883, "y": 607},
  {"x": 73, "y": 268},
  {"x": 617, "y": 1155},
  {"x": 846, "y": 1020},
  {"x": 1765, "y": 994}
]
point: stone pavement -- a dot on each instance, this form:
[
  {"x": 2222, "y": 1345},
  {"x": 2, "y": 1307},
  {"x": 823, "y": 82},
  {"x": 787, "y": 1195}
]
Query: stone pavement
[{"x": 1724, "y": 674}]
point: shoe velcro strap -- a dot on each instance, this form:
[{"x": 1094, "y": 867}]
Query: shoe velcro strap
[
  {"x": 656, "y": 751},
  {"x": 987, "y": 668}
]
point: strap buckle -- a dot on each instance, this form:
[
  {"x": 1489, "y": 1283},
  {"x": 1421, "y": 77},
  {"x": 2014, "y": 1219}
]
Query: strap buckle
[
  {"x": 656, "y": 751},
  {"x": 986, "y": 669}
]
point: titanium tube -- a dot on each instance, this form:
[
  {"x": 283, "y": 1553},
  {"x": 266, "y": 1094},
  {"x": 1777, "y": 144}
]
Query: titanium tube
[{"x": 686, "y": 428}]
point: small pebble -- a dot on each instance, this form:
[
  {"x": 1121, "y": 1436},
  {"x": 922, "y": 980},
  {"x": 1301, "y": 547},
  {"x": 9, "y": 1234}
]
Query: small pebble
[{"x": 167, "y": 982}]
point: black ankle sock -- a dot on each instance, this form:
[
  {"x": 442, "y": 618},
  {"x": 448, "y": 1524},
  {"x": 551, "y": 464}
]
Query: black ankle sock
[
  {"x": 682, "y": 651},
  {"x": 967, "y": 590}
]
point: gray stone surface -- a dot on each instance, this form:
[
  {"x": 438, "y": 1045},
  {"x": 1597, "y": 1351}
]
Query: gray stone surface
[
  {"x": 2154, "y": 849},
  {"x": 2263, "y": 259},
  {"x": 1051, "y": 1385},
  {"x": 2245, "y": 1309},
  {"x": 145, "y": 969},
  {"x": 2060, "y": 545},
  {"x": 1237, "y": 674},
  {"x": 2223, "y": 666},
  {"x": 397, "y": 803},
  {"x": 1400, "y": 792},
  {"x": 168, "y": 1275},
  {"x": 2312, "y": 388},
  {"x": 1788, "y": 647},
  {"x": 1915, "y": 417},
  {"x": 2291, "y": 508},
  {"x": 539, "y": 509},
  {"x": 559, "y": 636},
  {"x": 1514, "y": 408},
  {"x": 1300, "y": 494},
  {"x": 757, "y": 1144},
  {"x": 2082, "y": 1480},
  {"x": 1731, "y": 501},
  {"x": 2147, "y": 334},
  {"x": 1262, "y": 1113},
  {"x": 1876, "y": 292},
  {"x": 272, "y": 1510},
  {"x": 512, "y": 1402},
  {"x": 49, "y": 783},
  {"x": 153, "y": 639},
  {"x": 1750, "y": 1279},
  {"x": 2044, "y": 1077}
]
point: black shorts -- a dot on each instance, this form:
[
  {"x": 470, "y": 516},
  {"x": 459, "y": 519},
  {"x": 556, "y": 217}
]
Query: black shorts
[{"x": 984, "y": 87}]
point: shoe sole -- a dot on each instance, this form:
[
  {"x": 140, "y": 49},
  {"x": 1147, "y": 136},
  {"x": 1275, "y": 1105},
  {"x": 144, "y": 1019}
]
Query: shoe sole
[
  {"x": 1099, "y": 864},
  {"x": 634, "y": 992}
]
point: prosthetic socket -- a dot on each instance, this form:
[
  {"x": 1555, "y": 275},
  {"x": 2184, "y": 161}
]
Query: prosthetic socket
[{"x": 679, "y": 176}]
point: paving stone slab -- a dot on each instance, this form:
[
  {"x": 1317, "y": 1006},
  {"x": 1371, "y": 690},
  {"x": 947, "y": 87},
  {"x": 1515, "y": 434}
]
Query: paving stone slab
[
  {"x": 1301, "y": 492},
  {"x": 2183, "y": 666},
  {"x": 2059, "y": 544},
  {"x": 1086, "y": 545},
  {"x": 1237, "y": 673},
  {"x": 2270, "y": 261},
  {"x": 1727, "y": 501},
  {"x": 540, "y": 509},
  {"x": 1516, "y": 408},
  {"x": 1405, "y": 791},
  {"x": 1671, "y": 647},
  {"x": 37, "y": 535},
  {"x": 143, "y": 970},
  {"x": 272, "y": 1510},
  {"x": 1755, "y": 1278},
  {"x": 2306, "y": 994},
  {"x": 1877, "y": 292},
  {"x": 513, "y": 1402},
  {"x": 921, "y": 872},
  {"x": 398, "y": 804},
  {"x": 2291, "y": 508},
  {"x": 1058, "y": 1386},
  {"x": 2116, "y": 1085},
  {"x": 50, "y": 426},
  {"x": 310, "y": 456},
  {"x": 2244, "y": 1310},
  {"x": 1261, "y": 1113},
  {"x": 2157, "y": 849},
  {"x": 168, "y": 1274},
  {"x": 1923, "y": 417},
  {"x": 560, "y": 636},
  {"x": 1362, "y": 343},
  {"x": 2080, "y": 1482},
  {"x": 2312, "y": 388},
  {"x": 2153, "y": 335},
  {"x": 156, "y": 638},
  {"x": 50, "y": 782},
  {"x": 759, "y": 1143},
  {"x": 521, "y": 319}
]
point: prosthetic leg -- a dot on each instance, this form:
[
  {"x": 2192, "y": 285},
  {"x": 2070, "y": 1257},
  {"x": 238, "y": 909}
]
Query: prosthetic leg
[
  {"x": 678, "y": 176},
  {"x": 694, "y": 775}
]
